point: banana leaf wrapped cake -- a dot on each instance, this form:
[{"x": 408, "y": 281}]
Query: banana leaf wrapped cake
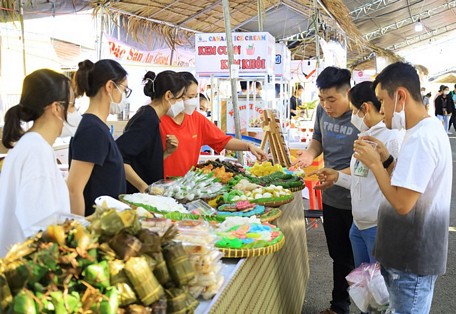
[{"x": 110, "y": 266}]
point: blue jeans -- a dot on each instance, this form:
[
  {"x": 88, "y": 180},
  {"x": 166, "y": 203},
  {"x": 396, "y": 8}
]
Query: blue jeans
[
  {"x": 362, "y": 242},
  {"x": 446, "y": 122},
  {"x": 408, "y": 292}
]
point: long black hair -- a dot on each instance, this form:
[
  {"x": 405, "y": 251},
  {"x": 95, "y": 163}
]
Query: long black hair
[
  {"x": 90, "y": 77},
  {"x": 156, "y": 85},
  {"x": 39, "y": 89}
]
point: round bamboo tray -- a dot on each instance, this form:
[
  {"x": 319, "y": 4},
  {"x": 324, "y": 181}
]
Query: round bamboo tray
[
  {"x": 238, "y": 253},
  {"x": 298, "y": 188},
  {"x": 275, "y": 203},
  {"x": 270, "y": 214}
]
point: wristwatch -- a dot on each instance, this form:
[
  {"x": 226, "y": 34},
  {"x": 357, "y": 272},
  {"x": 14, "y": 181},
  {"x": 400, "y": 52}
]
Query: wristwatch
[{"x": 388, "y": 161}]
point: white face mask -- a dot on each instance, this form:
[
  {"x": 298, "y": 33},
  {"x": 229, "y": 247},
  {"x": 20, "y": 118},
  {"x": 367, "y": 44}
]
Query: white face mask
[
  {"x": 446, "y": 92},
  {"x": 117, "y": 107},
  {"x": 190, "y": 105},
  {"x": 70, "y": 127},
  {"x": 175, "y": 109},
  {"x": 398, "y": 119},
  {"x": 358, "y": 122}
]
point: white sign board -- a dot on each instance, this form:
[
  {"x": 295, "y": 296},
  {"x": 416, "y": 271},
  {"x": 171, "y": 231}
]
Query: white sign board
[
  {"x": 282, "y": 61},
  {"x": 253, "y": 52},
  {"x": 249, "y": 115},
  {"x": 122, "y": 52},
  {"x": 362, "y": 76}
]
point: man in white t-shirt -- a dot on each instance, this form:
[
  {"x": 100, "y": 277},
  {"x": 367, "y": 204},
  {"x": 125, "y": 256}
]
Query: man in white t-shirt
[{"x": 413, "y": 219}]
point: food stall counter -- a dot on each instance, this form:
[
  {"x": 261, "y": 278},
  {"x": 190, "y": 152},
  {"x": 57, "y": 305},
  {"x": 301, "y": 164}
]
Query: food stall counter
[{"x": 274, "y": 283}]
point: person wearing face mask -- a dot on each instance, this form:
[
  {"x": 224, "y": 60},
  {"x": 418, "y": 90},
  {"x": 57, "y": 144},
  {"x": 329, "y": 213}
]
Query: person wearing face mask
[
  {"x": 364, "y": 190},
  {"x": 444, "y": 107},
  {"x": 333, "y": 136},
  {"x": 194, "y": 130},
  {"x": 142, "y": 148},
  {"x": 413, "y": 217},
  {"x": 31, "y": 185},
  {"x": 71, "y": 124},
  {"x": 96, "y": 165}
]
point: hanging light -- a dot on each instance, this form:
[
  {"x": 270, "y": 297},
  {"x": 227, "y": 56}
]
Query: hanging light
[{"x": 418, "y": 26}]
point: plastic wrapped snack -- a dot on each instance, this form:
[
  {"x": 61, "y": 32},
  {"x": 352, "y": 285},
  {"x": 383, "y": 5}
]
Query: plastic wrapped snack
[
  {"x": 200, "y": 207},
  {"x": 195, "y": 232},
  {"x": 158, "y": 225},
  {"x": 212, "y": 290},
  {"x": 205, "y": 263}
]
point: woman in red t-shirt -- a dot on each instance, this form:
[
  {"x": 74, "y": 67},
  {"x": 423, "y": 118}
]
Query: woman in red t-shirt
[{"x": 194, "y": 130}]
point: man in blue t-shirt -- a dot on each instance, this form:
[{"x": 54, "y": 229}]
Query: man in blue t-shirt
[{"x": 333, "y": 137}]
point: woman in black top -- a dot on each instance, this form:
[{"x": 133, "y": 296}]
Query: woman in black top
[
  {"x": 96, "y": 165},
  {"x": 141, "y": 144},
  {"x": 444, "y": 107},
  {"x": 295, "y": 100}
]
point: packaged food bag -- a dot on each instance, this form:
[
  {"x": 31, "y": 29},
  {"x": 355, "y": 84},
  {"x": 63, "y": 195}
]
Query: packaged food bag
[{"x": 367, "y": 288}]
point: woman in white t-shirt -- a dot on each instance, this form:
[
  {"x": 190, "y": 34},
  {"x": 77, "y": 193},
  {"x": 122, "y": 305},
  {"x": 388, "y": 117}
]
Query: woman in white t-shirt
[
  {"x": 365, "y": 192},
  {"x": 31, "y": 186}
]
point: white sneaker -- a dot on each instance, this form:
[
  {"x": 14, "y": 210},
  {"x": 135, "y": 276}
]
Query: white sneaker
[{"x": 449, "y": 132}]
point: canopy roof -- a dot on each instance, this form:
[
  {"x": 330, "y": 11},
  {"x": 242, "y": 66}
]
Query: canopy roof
[{"x": 372, "y": 27}]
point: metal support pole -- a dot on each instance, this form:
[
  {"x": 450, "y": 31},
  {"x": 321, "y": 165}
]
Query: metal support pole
[
  {"x": 234, "y": 97},
  {"x": 317, "y": 37},
  {"x": 260, "y": 10},
  {"x": 100, "y": 38},
  {"x": 21, "y": 19}
]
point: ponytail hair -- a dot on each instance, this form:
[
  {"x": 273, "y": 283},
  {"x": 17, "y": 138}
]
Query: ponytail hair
[
  {"x": 156, "y": 85},
  {"x": 39, "y": 89},
  {"x": 90, "y": 77}
]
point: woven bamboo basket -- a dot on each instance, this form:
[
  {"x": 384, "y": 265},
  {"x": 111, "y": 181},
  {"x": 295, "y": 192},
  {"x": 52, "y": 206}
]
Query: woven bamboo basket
[
  {"x": 270, "y": 214},
  {"x": 238, "y": 253},
  {"x": 275, "y": 203},
  {"x": 298, "y": 188}
]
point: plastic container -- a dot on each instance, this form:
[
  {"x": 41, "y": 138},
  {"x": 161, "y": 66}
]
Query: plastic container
[
  {"x": 200, "y": 207},
  {"x": 192, "y": 248},
  {"x": 160, "y": 187},
  {"x": 196, "y": 227}
]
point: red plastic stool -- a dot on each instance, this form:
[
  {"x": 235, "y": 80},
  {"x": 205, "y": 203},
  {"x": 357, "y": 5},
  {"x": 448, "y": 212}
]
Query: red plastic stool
[{"x": 315, "y": 200}]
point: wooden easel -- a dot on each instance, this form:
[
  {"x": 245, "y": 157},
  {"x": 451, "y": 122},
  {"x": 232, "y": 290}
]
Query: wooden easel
[{"x": 273, "y": 135}]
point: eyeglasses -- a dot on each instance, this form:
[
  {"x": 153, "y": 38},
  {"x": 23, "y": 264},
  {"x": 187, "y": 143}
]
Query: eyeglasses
[{"x": 127, "y": 90}]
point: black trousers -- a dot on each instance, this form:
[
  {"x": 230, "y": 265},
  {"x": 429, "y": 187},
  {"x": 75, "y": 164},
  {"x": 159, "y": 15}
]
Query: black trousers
[
  {"x": 337, "y": 223},
  {"x": 452, "y": 121}
]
